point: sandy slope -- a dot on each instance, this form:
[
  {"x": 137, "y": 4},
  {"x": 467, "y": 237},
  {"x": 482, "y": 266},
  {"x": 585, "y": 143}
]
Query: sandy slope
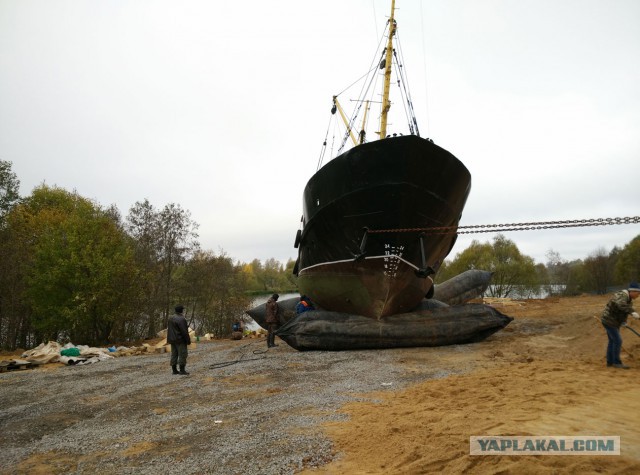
[{"x": 545, "y": 375}]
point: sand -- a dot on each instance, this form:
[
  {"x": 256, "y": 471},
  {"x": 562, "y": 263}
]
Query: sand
[{"x": 544, "y": 375}]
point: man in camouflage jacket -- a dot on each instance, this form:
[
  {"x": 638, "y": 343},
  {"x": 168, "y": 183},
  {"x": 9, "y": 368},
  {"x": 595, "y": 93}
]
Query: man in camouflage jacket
[{"x": 614, "y": 315}]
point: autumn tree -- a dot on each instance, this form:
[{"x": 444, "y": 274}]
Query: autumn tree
[
  {"x": 81, "y": 268},
  {"x": 513, "y": 273},
  {"x": 250, "y": 277},
  {"x": 270, "y": 276}
]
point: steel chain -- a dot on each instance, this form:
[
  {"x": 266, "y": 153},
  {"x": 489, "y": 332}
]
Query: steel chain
[{"x": 491, "y": 228}]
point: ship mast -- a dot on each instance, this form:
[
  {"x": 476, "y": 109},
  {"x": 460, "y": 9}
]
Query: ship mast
[{"x": 386, "y": 105}]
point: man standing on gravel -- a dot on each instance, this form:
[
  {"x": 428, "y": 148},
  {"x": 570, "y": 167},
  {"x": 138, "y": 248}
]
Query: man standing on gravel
[
  {"x": 615, "y": 314},
  {"x": 272, "y": 319},
  {"x": 178, "y": 337}
]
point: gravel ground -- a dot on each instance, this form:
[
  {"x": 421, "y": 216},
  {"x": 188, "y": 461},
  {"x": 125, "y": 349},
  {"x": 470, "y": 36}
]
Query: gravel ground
[{"x": 243, "y": 409}]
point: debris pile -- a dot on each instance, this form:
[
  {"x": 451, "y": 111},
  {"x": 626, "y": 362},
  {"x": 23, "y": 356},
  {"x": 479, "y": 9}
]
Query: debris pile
[{"x": 71, "y": 354}]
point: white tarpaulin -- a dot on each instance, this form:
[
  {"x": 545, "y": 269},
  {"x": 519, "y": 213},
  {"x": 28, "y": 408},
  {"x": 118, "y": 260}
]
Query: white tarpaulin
[{"x": 50, "y": 353}]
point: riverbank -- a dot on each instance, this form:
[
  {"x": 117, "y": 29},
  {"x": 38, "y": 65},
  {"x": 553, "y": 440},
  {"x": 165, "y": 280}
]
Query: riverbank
[{"x": 245, "y": 410}]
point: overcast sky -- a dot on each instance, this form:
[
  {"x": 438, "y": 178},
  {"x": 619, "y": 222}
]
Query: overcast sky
[{"x": 222, "y": 107}]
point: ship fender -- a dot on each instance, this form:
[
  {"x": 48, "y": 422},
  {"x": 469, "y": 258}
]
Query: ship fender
[
  {"x": 320, "y": 330},
  {"x": 467, "y": 286},
  {"x": 286, "y": 311}
]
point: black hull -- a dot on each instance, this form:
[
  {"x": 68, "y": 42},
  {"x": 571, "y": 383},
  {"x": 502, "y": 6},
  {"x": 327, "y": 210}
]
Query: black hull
[{"x": 395, "y": 183}]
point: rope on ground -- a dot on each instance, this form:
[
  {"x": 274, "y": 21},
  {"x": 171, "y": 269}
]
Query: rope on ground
[{"x": 242, "y": 358}]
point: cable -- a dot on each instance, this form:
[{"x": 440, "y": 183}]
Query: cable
[
  {"x": 242, "y": 358},
  {"x": 492, "y": 228}
]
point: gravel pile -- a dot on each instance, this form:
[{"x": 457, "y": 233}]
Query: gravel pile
[{"x": 242, "y": 410}]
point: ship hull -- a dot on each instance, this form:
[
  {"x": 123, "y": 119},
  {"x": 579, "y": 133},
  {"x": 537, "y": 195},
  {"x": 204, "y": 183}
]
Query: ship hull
[{"x": 398, "y": 184}]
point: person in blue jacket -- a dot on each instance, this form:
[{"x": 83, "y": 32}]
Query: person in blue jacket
[{"x": 304, "y": 305}]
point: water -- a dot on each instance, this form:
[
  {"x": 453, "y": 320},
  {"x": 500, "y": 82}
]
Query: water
[{"x": 523, "y": 292}]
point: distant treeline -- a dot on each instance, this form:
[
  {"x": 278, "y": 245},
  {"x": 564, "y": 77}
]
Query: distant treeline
[
  {"x": 518, "y": 276},
  {"x": 73, "y": 270}
]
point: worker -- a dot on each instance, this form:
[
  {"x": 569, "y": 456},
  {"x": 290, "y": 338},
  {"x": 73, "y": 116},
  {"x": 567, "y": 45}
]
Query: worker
[
  {"x": 272, "y": 319},
  {"x": 304, "y": 305},
  {"x": 178, "y": 336},
  {"x": 615, "y": 314}
]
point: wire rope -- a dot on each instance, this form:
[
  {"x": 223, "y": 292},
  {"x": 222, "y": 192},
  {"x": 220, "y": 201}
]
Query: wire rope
[
  {"x": 242, "y": 358},
  {"x": 533, "y": 226}
]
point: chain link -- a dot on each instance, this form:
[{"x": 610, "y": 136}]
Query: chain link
[{"x": 492, "y": 228}]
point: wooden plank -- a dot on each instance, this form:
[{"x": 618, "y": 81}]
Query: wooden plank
[{"x": 15, "y": 365}]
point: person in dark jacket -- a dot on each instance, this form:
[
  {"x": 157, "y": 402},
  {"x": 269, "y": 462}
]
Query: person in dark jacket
[
  {"x": 614, "y": 315},
  {"x": 178, "y": 337},
  {"x": 272, "y": 319}
]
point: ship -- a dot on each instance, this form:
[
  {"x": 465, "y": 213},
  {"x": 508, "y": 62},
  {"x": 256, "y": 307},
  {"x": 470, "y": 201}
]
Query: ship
[{"x": 368, "y": 242}]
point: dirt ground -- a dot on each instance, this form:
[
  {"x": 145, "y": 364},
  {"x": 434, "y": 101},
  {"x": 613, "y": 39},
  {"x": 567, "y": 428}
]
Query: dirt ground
[
  {"x": 545, "y": 374},
  {"x": 526, "y": 382}
]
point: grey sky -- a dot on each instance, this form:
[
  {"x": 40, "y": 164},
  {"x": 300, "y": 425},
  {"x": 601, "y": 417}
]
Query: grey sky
[{"x": 222, "y": 107}]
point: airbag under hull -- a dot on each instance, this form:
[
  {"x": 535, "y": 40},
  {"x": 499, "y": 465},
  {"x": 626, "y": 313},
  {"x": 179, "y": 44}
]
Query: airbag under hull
[{"x": 334, "y": 331}]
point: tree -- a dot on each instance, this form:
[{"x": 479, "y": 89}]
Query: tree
[
  {"x": 79, "y": 280},
  {"x": 164, "y": 240},
  {"x": 142, "y": 225},
  {"x": 16, "y": 241},
  {"x": 513, "y": 273},
  {"x": 215, "y": 292},
  {"x": 9, "y": 190},
  {"x": 12, "y": 313},
  {"x": 599, "y": 271},
  {"x": 627, "y": 267},
  {"x": 291, "y": 278},
  {"x": 250, "y": 277},
  {"x": 558, "y": 272},
  {"x": 271, "y": 274},
  {"x": 178, "y": 242}
]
